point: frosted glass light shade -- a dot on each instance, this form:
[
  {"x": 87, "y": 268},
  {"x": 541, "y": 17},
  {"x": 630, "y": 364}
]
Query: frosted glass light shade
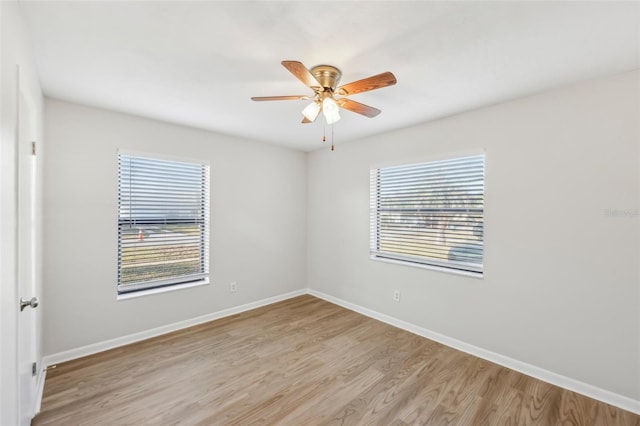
[
  {"x": 311, "y": 111},
  {"x": 330, "y": 109}
]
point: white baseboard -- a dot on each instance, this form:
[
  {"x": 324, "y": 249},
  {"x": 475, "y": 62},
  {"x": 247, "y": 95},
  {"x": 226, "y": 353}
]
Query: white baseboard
[
  {"x": 94, "y": 348},
  {"x": 573, "y": 385}
]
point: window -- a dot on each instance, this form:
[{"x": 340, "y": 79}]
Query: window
[
  {"x": 163, "y": 223},
  {"x": 430, "y": 213}
]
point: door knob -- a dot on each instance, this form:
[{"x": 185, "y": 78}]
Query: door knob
[{"x": 24, "y": 303}]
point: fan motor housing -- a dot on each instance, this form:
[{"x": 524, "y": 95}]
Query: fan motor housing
[{"x": 327, "y": 75}]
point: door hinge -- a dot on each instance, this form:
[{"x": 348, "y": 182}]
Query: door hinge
[
  {"x": 34, "y": 369},
  {"x": 33, "y": 148}
]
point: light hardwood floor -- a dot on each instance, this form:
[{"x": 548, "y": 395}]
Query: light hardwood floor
[{"x": 304, "y": 361}]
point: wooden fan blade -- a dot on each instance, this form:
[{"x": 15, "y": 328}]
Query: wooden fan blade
[
  {"x": 357, "y": 107},
  {"x": 302, "y": 73},
  {"x": 305, "y": 120},
  {"x": 280, "y": 98},
  {"x": 371, "y": 83}
]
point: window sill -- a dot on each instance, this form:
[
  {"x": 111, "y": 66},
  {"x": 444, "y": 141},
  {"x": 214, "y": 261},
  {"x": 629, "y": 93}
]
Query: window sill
[
  {"x": 151, "y": 291},
  {"x": 476, "y": 275}
]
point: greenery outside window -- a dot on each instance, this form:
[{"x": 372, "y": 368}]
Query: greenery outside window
[
  {"x": 430, "y": 213},
  {"x": 163, "y": 222}
]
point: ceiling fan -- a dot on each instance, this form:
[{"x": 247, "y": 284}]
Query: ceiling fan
[{"x": 323, "y": 80}]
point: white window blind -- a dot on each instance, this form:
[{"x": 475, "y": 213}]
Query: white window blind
[
  {"x": 163, "y": 222},
  {"x": 430, "y": 213}
]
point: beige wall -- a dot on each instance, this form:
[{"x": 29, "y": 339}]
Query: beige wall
[
  {"x": 562, "y": 232},
  {"x": 258, "y": 224}
]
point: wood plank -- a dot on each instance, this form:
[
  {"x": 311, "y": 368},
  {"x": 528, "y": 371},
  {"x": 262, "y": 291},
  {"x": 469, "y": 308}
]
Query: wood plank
[{"x": 304, "y": 361}]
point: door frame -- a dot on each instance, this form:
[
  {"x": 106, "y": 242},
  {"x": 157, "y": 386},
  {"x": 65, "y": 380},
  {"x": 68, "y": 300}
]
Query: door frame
[{"x": 8, "y": 250}]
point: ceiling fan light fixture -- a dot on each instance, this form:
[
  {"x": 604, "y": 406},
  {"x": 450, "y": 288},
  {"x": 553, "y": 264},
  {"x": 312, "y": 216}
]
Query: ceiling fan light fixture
[
  {"x": 330, "y": 109},
  {"x": 324, "y": 80},
  {"x": 311, "y": 111}
]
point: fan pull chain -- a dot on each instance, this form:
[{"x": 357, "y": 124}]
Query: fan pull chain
[
  {"x": 324, "y": 135},
  {"x": 332, "y": 147}
]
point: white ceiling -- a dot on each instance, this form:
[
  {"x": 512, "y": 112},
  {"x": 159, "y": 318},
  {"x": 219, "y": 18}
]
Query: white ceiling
[{"x": 198, "y": 63}]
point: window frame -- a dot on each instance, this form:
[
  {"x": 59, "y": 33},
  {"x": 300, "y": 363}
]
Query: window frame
[
  {"x": 178, "y": 281},
  {"x": 444, "y": 265}
]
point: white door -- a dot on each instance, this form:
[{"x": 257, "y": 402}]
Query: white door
[{"x": 26, "y": 251}]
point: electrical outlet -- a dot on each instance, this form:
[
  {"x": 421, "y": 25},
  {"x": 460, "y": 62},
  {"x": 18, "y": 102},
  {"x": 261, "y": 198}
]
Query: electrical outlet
[
  {"x": 396, "y": 295},
  {"x": 233, "y": 286}
]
